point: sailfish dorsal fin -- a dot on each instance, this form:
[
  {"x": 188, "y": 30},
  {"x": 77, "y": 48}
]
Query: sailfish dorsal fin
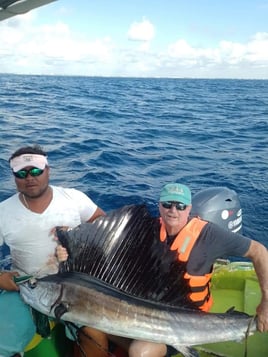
[{"x": 123, "y": 249}]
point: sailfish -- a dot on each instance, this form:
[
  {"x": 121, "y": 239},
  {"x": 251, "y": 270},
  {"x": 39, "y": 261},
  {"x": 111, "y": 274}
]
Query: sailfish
[{"x": 121, "y": 279}]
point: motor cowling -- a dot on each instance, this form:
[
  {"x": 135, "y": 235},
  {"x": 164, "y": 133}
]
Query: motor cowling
[{"x": 219, "y": 205}]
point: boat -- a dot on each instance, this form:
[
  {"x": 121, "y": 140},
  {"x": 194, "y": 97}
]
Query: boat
[
  {"x": 10, "y": 8},
  {"x": 235, "y": 285}
]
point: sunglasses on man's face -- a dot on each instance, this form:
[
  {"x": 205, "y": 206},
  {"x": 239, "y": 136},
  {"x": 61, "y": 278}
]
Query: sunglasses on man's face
[
  {"x": 179, "y": 205},
  {"x": 22, "y": 174}
]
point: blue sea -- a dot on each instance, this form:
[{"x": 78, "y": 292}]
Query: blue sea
[{"x": 120, "y": 140}]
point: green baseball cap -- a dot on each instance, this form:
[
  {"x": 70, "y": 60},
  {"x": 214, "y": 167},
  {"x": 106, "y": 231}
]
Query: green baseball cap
[{"x": 176, "y": 192}]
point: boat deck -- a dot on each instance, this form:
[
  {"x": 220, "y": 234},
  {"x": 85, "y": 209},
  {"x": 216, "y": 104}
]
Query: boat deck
[{"x": 240, "y": 290}]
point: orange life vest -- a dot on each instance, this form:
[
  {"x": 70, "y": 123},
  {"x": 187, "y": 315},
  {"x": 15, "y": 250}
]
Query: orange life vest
[{"x": 183, "y": 243}]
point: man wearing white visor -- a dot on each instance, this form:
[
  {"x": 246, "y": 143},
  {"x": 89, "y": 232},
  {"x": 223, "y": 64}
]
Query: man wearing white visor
[{"x": 27, "y": 221}]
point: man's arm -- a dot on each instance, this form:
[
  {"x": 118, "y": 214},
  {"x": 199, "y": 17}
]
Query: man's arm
[
  {"x": 99, "y": 212},
  {"x": 259, "y": 256}
]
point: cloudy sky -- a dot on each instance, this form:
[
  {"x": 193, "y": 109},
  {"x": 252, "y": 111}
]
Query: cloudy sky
[{"x": 141, "y": 38}]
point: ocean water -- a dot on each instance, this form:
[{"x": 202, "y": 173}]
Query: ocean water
[{"x": 120, "y": 140}]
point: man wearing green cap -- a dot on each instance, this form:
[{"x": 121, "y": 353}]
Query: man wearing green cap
[{"x": 199, "y": 243}]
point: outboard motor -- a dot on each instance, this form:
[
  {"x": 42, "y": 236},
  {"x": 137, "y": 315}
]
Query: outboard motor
[{"x": 219, "y": 205}]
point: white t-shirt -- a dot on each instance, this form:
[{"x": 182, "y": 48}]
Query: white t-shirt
[{"x": 28, "y": 234}]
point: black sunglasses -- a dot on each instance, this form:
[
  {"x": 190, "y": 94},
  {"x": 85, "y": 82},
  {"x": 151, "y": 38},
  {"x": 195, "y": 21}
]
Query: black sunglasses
[
  {"x": 22, "y": 174},
  {"x": 179, "y": 205}
]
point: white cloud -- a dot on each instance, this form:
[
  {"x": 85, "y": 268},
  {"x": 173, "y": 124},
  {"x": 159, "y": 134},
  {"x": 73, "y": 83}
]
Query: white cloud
[
  {"x": 36, "y": 49},
  {"x": 231, "y": 52},
  {"x": 181, "y": 49},
  {"x": 141, "y": 31},
  {"x": 58, "y": 49},
  {"x": 227, "y": 52},
  {"x": 258, "y": 47}
]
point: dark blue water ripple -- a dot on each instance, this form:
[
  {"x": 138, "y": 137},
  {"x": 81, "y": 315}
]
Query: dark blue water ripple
[{"x": 120, "y": 139}]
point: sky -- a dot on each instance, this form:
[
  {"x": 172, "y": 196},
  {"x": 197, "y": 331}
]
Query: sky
[{"x": 139, "y": 38}]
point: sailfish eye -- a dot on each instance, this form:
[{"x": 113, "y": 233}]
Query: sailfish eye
[{"x": 32, "y": 283}]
